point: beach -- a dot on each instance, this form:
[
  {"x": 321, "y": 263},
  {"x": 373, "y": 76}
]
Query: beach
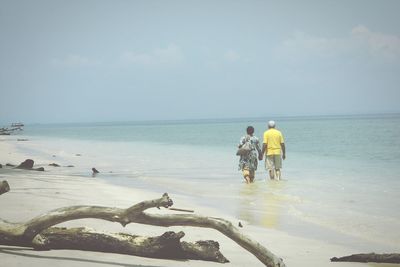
[
  {"x": 108, "y": 105},
  {"x": 125, "y": 178}
]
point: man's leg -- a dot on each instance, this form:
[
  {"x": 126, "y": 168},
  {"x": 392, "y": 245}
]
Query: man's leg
[
  {"x": 271, "y": 174},
  {"x": 278, "y": 166},
  {"x": 269, "y": 165},
  {"x": 278, "y": 174}
]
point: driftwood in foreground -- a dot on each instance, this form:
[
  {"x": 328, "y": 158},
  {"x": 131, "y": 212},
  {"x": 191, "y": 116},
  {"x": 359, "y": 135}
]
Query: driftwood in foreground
[
  {"x": 370, "y": 257},
  {"x": 4, "y": 187},
  {"x": 23, "y": 234},
  {"x": 165, "y": 246}
]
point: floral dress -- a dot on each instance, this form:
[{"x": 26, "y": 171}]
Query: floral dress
[{"x": 250, "y": 161}]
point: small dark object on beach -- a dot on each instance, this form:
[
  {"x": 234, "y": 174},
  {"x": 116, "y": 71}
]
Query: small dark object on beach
[
  {"x": 70, "y": 166},
  {"x": 54, "y": 156},
  {"x": 1, "y": 166},
  {"x": 10, "y": 165},
  {"x": 240, "y": 225},
  {"x": 26, "y": 165},
  {"x": 4, "y": 187},
  {"x": 78, "y": 155},
  {"x": 54, "y": 165},
  {"x": 95, "y": 171}
]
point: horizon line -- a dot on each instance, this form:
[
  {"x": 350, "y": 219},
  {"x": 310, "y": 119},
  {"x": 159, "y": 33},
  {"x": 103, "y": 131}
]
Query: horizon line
[{"x": 221, "y": 119}]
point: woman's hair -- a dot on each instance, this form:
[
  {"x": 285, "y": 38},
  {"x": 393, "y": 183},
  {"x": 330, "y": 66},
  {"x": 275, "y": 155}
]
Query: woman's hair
[{"x": 250, "y": 130}]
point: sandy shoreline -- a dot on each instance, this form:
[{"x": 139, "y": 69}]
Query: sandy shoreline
[{"x": 33, "y": 193}]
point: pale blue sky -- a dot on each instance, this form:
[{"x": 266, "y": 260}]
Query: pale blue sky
[{"x": 79, "y": 61}]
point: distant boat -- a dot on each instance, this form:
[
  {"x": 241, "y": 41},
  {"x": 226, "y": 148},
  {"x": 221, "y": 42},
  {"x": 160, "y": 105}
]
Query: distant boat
[
  {"x": 14, "y": 127},
  {"x": 4, "y": 131}
]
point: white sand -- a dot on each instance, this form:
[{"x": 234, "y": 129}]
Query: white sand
[{"x": 33, "y": 193}]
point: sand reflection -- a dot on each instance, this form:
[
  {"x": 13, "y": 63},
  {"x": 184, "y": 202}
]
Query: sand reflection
[{"x": 261, "y": 203}]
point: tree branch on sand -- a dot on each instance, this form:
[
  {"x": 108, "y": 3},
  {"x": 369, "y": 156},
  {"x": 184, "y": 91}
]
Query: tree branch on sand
[
  {"x": 370, "y": 257},
  {"x": 38, "y": 233},
  {"x": 165, "y": 246}
]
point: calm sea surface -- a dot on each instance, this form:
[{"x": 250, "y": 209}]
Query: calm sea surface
[{"x": 341, "y": 176}]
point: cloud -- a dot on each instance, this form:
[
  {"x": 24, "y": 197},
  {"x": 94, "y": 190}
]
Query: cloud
[
  {"x": 72, "y": 60},
  {"x": 378, "y": 44},
  {"x": 360, "y": 42},
  {"x": 302, "y": 44},
  {"x": 231, "y": 55},
  {"x": 172, "y": 55}
]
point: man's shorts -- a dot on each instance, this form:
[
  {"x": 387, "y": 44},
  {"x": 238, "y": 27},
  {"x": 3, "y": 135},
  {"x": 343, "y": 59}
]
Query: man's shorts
[{"x": 273, "y": 162}]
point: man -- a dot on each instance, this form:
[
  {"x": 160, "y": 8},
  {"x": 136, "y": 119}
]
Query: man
[{"x": 273, "y": 147}]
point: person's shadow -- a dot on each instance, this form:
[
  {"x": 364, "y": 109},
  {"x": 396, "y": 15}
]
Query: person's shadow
[{"x": 21, "y": 252}]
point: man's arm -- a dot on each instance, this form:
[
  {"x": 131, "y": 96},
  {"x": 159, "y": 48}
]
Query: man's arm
[{"x": 283, "y": 150}]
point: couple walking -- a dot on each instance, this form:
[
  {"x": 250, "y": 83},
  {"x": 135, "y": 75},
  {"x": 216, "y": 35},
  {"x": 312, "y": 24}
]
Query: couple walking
[{"x": 273, "y": 147}]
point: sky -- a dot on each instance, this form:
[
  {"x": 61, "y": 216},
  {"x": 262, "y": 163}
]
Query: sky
[{"x": 95, "y": 61}]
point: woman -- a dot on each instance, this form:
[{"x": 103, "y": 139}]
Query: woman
[{"x": 248, "y": 161}]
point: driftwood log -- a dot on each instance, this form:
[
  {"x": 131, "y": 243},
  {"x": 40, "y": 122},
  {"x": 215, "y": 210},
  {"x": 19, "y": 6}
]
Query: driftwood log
[
  {"x": 4, "y": 187},
  {"x": 166, "y": 246},
  {"x": 32, "y": 233},
  {"x": 370, "y": 257}
]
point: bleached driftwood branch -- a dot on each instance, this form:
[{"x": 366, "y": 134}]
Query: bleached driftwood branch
[
  {"x": 23, "y": 234},
  {"x": 166, "y": 246}
]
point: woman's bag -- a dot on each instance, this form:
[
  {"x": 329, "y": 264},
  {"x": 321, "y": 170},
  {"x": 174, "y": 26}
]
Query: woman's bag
[{"x": 245, "y": 149}]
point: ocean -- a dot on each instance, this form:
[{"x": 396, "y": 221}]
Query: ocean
[{"x": 341, "y": 178}]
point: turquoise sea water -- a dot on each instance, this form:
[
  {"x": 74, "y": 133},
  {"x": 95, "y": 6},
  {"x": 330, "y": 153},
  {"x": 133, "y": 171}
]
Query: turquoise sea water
[{"x": 341, "y": 176}]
